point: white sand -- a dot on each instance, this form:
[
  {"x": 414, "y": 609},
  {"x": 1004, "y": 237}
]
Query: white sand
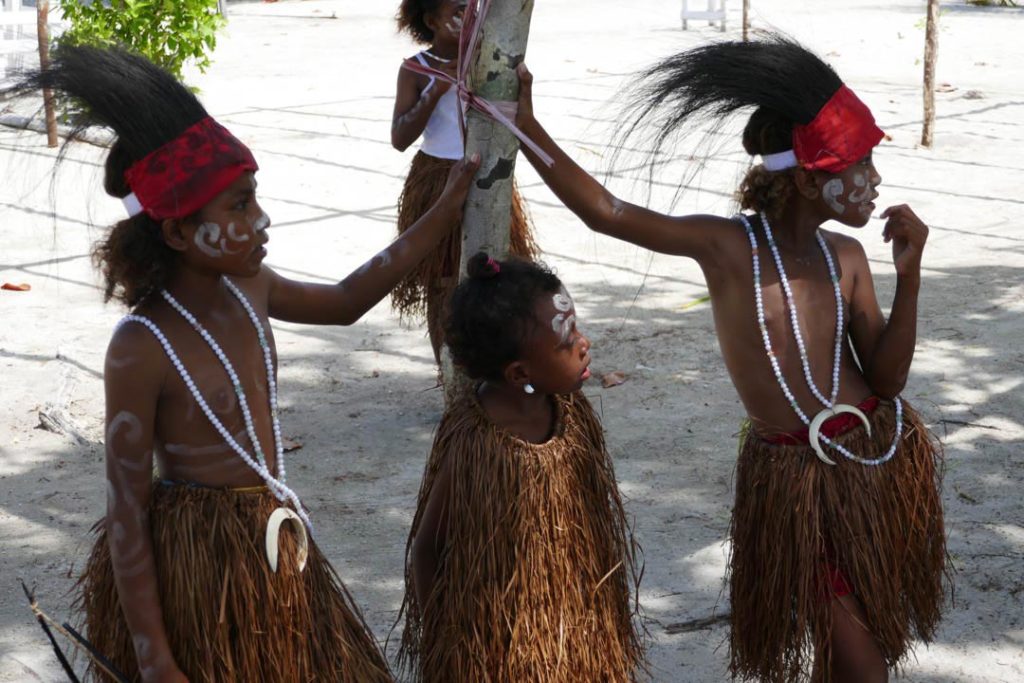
[{"x": 313, "y": 96}]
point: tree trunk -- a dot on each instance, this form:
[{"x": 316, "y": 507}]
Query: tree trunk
[
  {"x": 43, "y": 31},
  {"x": 931, "y": 54},
  {"x": 746, "y": 20},
  {"x": 487, "y": 216}
]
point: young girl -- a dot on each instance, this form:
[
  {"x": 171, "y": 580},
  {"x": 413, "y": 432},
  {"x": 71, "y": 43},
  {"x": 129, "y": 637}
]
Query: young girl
[
  {"x": 430, "y": 108},
  {"x": 520, "y": 564},
  {"x": 838, "y": 549},
  {"x": 209, "y": 574}
]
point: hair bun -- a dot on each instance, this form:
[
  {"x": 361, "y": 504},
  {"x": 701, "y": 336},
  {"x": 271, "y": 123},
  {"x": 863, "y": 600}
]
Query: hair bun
[{"x": 482, "y": 266}]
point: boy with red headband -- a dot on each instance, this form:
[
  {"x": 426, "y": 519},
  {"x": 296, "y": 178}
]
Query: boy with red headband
[
  {"x": 838, "y": 548},
  {"x": 209, "y": 573}
]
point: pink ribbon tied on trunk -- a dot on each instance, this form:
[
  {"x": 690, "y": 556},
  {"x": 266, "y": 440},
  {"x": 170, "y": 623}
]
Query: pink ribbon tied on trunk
[{"x": 502, "y": 112}]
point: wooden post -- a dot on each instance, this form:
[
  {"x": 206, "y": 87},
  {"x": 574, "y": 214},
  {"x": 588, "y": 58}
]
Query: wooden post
[
  {"x": 931, "y": 54},
  {"x": 487, "y": 216},
  {"x": 43, "y": 31},
  {"x": 746, "y": 20}
]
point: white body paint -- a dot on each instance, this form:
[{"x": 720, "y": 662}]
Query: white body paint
[
  {"x": 207, "y": 238},
  {"x": 233, "y": 233},
  {"x": 125, "y": 418},
  {"x": 563, "y": 322},
  {"x": 833, "y": 192}
]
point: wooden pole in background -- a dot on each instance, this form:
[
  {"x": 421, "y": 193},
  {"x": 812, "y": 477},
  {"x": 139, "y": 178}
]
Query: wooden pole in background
[
  {"x": 746, "y": 20},
  {"x": 931, "y": 55},
  {"x": 43, "y": 31}
]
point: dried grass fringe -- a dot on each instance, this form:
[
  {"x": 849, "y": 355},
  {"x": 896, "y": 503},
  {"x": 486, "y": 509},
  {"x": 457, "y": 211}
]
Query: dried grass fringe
[
  {"x": 436, "y": 276},
  {"x": 228, "y": 617},
  {"x": 881, "y": 526},
  {"x": 539, "y": 579}
]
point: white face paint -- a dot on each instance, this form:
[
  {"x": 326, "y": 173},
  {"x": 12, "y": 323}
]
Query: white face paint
[
  {"x": 563, "y": 322},
  {"x": 207, "y": 239},
  {"x": 861, "y": 196},
  {"x": 833, "y": 192},
  {"x": 262, "y": 223},
  {"x": 233, "y": 234}
]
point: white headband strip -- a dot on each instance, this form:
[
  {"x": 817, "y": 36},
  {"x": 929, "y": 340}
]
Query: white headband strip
[
  {"x": 132, "y": 205},
  {"x": 779, "y": 161}
]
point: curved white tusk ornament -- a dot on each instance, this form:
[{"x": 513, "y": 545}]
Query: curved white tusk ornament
[
  {"x": 277, "y": 518},
  {"x": 813, "y": 431}
]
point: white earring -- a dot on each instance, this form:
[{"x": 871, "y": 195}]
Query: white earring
[{"x": 528, "y": 388}]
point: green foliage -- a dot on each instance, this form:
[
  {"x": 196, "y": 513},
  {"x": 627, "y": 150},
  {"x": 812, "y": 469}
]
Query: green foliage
[{"x": 168, "y": 32}]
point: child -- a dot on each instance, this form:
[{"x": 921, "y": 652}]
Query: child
[
  {"x": 838, "y": 548},
  {"x": 197, "y": 577},
  {"x": 429, "y": 107},
  {"x": 520, "y": 563}
]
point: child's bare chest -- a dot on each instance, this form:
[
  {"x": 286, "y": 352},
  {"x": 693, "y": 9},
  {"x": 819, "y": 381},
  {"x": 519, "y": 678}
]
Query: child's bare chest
[{"x": 213, "y": 397}]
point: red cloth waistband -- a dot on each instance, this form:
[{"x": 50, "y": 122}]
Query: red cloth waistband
[
  {"x": 182, "y": 176},
  {"x": 841, "y": 134},
  {"x": 833, "y": 427}
]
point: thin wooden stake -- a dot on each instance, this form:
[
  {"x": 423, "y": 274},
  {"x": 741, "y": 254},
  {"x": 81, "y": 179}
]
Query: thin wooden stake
[
  {"x": 43, "y": 31},
  {"x": 931, "y": 55}
]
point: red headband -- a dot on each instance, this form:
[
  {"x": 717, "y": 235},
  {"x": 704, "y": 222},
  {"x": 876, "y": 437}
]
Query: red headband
[
  {"x": 842, "y": 133},
  {"x": 182, "y": 176}
]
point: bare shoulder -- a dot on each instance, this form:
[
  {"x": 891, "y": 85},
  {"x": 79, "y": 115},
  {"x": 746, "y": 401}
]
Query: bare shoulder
[
  {"x": 135, "y": 352},
  {"x": 257, "y": 288},
  {"x": 848, "y": 248}
]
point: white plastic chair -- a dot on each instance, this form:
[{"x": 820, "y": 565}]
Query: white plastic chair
[{"x": 711, "y": 14}]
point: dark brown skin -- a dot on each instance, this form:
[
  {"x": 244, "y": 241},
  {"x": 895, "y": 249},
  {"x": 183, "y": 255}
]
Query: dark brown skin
[
  {"x": 721, "y": 248},
  {"x": 552, "y": 366},
  {"x": 414, "y": 101},
  {"x": 150, "y": 411}
]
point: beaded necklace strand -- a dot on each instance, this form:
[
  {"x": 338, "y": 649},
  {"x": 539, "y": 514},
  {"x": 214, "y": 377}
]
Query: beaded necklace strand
[
  {"x": 831, "y": 407},
  {"x": 259, "y": 463}
]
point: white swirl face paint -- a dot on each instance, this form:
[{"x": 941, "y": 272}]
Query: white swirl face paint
[
  {"x": 207, "y": 239},
  {"x": 233, "y": 234},
  {"x": 563, "y": 321},
  {"x": 833, "y": 193},
  {"x": 861, "y": 195}
]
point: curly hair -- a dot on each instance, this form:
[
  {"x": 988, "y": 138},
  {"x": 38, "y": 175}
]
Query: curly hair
[
  {"x": 767, "y": 132},
  {"x": 134, "y": 259},
  {"x": 492, "y": 313},
  {"x": 412, "y": 16}
]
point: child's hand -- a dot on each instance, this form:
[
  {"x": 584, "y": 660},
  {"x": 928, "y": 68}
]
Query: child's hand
[
  {"x": 908, "y": 234},
  {"x": 525, "y": 112},
  {"x": 459, "y": 179}
]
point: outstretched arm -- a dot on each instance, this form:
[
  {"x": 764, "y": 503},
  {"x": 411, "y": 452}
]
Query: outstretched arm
[
  {"x": 886, "y": 348},
  {"x": 347, "y": 301},
  {"x": 694, "y": 236},
  {"x": 133, "y": 377}
]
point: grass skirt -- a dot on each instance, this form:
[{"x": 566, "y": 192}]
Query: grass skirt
[
  {"x": 228, "y": 617},
  {"x": 794, "y": 516},
  {"x": 537, "y": 579},
  {"x": 426, "y": 289}
]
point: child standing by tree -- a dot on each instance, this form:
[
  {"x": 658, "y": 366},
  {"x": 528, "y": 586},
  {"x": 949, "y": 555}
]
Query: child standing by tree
[
  {"x": 209, "y": 574},
  {"x": 520, "y": 564},
  {"x": 838, "y": 548},
  {"x": 428, "y": 107}
]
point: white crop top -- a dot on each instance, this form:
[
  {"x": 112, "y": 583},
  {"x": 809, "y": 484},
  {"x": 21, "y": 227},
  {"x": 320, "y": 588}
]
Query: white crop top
[{"x": 442, "y": 137}]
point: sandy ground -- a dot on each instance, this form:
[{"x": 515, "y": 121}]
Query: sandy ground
[{"x": 309, "y": 85}]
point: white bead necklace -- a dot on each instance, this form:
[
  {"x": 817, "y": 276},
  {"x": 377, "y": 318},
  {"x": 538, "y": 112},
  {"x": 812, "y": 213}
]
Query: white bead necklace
[
  {"x": 259, "y": 463},
  {"x": 831, "y": 407}
]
